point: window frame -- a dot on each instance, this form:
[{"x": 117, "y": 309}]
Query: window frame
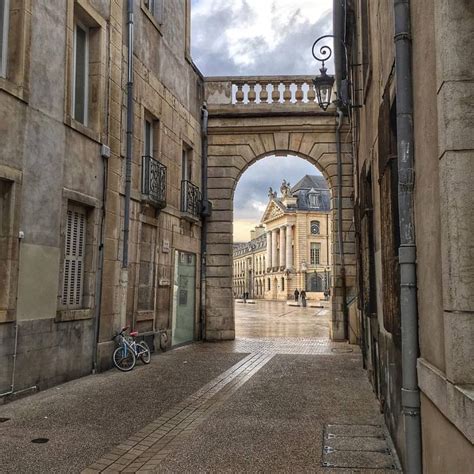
[
  {"x": 315, "y": 251},
  {"x": 315, "y": 223},
  {"x": 4, "y": 35},
  {"x": 79, "y": 24}
]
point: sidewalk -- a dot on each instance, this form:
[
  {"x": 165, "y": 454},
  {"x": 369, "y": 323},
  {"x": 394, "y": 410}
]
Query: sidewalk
[{"x": 257, "y": 404}]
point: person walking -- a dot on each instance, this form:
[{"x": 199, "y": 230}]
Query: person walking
[
  {"x": 297, "y": 294},
  {"x": 303, "y": 298}
]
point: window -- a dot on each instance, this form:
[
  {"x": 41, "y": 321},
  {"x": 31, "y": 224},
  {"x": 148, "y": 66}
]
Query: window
[
  {"x": 314, "y": 253},
  {"x": 186, "y": 164},
  {"x": 269, "y": 284},
  {"x": 81, "y": 73},
  {"x": 314, "y": 200},
  {"x": 315, "y": 227},
  {"x": 74, "y": 250},
  {"x": 4, "y": 16},
  {"x": 282, "y": 284},
  {"x": 148, "y": 138},
  {"x": 155, "y": 7}
]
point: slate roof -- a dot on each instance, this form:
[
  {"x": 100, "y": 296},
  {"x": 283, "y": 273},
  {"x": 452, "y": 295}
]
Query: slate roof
[{"x": 312, "y": 184}]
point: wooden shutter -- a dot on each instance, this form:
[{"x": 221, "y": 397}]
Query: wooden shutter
[{"x": 74, "y": 249}]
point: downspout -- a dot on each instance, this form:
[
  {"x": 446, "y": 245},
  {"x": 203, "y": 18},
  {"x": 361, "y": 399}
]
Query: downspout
[
  {"x": 407, "y": 250},
  {"x": 205, "y": 118},
  {"x": 128, "y": 162},
  {"x": 340, "y": 117}
]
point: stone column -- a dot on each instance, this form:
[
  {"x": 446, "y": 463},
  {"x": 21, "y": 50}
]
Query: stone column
[
  {"x": 282, "y": 246},
  {"x": 268, "y": 259},
  {"x": 289, "y": 249},
  {"x": 274, "y": 249}
]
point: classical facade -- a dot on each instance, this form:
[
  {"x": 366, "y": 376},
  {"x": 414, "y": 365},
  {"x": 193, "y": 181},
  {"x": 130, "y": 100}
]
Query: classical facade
[{"x": 295, "y": 251}]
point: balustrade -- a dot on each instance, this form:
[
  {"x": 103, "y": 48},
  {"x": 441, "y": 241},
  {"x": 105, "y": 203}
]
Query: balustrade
[
  {"x": 154, "y": 181},
  {"x": 255, "y": 91}
]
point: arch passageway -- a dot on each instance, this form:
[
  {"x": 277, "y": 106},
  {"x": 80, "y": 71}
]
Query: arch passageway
[{"x": 243, "y": 129}]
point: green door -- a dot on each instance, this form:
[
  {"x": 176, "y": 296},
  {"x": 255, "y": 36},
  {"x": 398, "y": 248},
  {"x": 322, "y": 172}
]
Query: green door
[{"x": 184, "y": 297}]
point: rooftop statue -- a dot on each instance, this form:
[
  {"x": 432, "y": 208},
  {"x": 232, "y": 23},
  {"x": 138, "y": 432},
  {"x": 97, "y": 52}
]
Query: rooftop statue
[
  {"x": 271, "y": 194},
  {"x": 285, "y": 188}
]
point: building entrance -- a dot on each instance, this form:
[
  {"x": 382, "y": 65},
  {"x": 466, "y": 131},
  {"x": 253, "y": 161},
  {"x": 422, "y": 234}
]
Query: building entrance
[{"x": 184, "y": 297}]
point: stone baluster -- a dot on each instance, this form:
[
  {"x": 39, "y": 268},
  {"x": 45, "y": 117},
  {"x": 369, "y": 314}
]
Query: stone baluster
[
  {"x": 239, "y": 95},
  {"x": 252, "y": 95},
  {"x": 287, "y": 92},
  {"x": 282, "y": 246},
  {"x": 299, "y": 92},
  {"x": 264, "y": 94},
  {"x": 274, "y": 248},
  {"x": 311, "y": 93},
  {"x": 289, "y": 249},
  {"x": 275, "y": 92},
  {"x": 268, "y": 258}
]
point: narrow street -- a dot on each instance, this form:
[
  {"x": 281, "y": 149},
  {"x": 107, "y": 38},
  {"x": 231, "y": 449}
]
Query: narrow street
[{"x": 280, "y": 398}]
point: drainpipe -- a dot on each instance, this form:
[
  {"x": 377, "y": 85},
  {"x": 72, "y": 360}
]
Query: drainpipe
[
  {"x": 100, "y": 267},
  {"x": 128, "y": 163},
  {"x": 407, "y": 251},
  {"x": 340, "y": 117},
  {"x": 205, "y": 214}
]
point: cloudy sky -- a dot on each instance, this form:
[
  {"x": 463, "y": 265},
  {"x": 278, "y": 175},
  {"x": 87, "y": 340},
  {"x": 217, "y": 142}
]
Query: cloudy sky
[{"x": 259, "y": 37}]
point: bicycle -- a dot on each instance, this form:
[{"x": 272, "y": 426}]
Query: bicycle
[{"x": 129, "y": 350}]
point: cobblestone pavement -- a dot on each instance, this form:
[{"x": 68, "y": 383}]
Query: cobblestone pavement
[{"x": 257, "y": 404}]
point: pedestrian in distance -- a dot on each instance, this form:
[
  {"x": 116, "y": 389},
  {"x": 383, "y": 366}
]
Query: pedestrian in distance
[
  {"x": 297, "y": 294},
  {"x": 303, "y": 298}
]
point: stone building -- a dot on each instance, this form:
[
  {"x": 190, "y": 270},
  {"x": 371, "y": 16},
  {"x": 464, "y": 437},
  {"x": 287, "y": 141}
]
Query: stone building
[
  {"x": 295, "y": 253},
  {"x": 413, "y": 88},
  {"x": 72, "y": 188}
]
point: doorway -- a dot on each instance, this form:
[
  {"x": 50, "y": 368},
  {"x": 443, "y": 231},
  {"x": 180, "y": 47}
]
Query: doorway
[{"x": 184, "y": 298}]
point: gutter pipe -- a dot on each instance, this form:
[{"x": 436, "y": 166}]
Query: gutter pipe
[
  {"x": 204, "y": 141},
  {"x": 407, "y": 250},
  {"x": 340, "y": 118},
  {"x": 128, "y": 163}
]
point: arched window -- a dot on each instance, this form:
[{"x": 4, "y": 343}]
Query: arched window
[
  {"x": 315, "y": 227},
  {"x": 269, "y": 284},
  {"x": 282, "y": 284},
  {"x": 316, "y": 282}
]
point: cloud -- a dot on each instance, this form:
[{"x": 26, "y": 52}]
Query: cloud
[
  {"x": 251, "y": 194},
  {"x": 268, "y": 37}
]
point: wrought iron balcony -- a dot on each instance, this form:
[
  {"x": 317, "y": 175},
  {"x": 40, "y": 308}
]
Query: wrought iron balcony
[
  {"x": 154, "y": 181},
  {"x": 190, "y": 199}
]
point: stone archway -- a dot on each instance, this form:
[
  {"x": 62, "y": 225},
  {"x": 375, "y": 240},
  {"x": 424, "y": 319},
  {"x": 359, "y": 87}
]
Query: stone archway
[{"x": 238, "y": 138}]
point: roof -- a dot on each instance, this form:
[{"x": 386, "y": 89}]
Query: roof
[{"x": 310, "y": 181}]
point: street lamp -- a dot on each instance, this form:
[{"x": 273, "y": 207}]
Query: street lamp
[{"x": 324, "y": 82}]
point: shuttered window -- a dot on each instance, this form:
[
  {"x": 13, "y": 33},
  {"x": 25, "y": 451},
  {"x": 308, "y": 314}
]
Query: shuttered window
[{"x": 74, "y": 249}]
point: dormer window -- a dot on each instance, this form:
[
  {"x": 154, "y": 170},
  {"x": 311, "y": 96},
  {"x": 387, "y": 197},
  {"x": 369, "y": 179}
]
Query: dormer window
[{"x": 314, "y": 199}]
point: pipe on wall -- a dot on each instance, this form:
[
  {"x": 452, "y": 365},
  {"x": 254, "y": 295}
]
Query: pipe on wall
[
  {"x": 340, "y": 118},
  {"x": 204, "y": 140},
  {"x": 129, "y": 141},
  {"x": 407, "y": 250}
]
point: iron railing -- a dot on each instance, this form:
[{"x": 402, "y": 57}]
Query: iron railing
[
  {"x": 190, "y": 198},
  {"x": 154, "y": 181}
]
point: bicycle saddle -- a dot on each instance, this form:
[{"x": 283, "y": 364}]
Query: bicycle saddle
[{"x": 134, "y": 333}]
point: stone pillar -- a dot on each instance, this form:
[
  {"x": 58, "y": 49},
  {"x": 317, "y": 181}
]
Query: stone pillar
[
  {"x": 282, "y": 246},
  {"x": 268, "y": 259},
  {"x": 274, "y": 249},
  {"x": 289, "y": 249}
]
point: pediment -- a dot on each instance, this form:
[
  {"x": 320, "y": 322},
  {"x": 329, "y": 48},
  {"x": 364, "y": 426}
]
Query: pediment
[{"x": 273, "y": 211}]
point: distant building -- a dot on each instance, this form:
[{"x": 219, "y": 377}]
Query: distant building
[{"x": 292, "y": 251}]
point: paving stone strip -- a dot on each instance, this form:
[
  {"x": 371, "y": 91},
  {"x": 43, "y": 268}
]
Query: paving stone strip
[{"x": 144, "y": 451}]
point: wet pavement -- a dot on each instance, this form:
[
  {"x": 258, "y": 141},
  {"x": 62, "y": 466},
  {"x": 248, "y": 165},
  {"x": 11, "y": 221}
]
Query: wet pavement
[{"x": 280, "y": 398}]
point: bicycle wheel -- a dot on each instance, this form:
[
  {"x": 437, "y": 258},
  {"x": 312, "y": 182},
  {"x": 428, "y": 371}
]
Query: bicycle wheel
[
  {"x": 144, "y": 353},
  {"x": 124, "y": 359}
]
